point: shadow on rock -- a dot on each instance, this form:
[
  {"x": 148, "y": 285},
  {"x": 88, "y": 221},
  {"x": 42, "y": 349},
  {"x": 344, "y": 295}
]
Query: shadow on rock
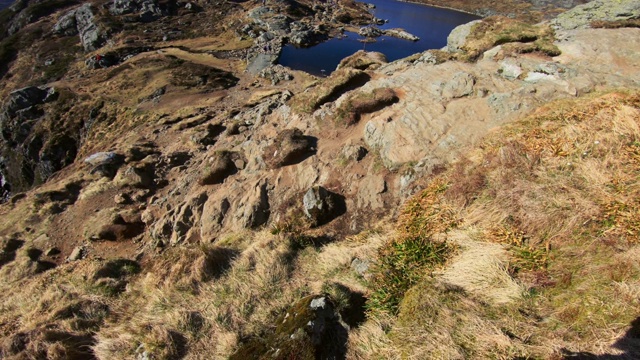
[{"x": 322, "y": 206}]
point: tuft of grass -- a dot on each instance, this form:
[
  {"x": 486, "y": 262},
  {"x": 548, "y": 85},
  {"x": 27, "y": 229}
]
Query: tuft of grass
[
  {"x": 514, "y": 35},
  {"x": 403, "y": 261},
  {"x": 329, "y": 89},
  {"x": 351, "y": 109}
]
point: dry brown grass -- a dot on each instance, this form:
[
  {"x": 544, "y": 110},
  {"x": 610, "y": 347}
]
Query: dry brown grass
[
  {"x": 514, "y": 35},
  {"x": 560, "y": 189},
  {"x": 329, "y": 89},
  {"x": 352, "y": 108}
]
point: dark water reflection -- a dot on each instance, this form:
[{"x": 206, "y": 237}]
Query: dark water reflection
[{"x": 432, "y": 25}]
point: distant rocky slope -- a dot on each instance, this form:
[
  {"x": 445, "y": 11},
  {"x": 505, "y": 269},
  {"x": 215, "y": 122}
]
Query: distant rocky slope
[{"x": 169, "y": 192}]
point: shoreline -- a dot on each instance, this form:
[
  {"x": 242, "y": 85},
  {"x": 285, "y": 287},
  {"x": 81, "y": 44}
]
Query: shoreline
[{"x": 441, "y": 7}]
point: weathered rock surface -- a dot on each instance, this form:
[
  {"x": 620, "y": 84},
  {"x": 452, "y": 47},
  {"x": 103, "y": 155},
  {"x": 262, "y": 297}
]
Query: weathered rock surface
[
  {"x": 179, "y": 224},
  {"x": 458, "y": 36},
  {"x": 91, "y": 35},
  {"x": 489, "y": 93},
  {"x": 582, "y": 16}
]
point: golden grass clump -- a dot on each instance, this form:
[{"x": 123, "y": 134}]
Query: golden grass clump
[
  {"x": 405, "y": 258},
  {"x": 514, "y": 35}
]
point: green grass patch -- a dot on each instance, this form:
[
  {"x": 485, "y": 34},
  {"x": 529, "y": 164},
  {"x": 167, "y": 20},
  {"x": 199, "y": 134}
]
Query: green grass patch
[{"x": 404, "y": 261}]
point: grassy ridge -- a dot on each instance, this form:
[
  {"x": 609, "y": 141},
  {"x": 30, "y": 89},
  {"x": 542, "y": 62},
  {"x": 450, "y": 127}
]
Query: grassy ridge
[{"x": 560, "y": 190}]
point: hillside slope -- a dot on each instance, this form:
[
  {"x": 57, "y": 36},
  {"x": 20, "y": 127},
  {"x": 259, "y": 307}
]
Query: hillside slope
[{"x": 164, "y": 201}]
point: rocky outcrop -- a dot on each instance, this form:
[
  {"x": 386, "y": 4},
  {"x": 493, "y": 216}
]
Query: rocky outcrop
[
  {"x": 492, "y": 92},
  {"x": 30, "y": 152},
  {"x": 322, "y": 206},
  {"x": 370, "y": 31},
  {"x": 179, "y": 224},
  {"x": 67, "y": 24},
  {"x": 363, "y": 60},
  {"x": 145, "y": 10},
  {"x": 582, "y": 16},
  {"x": 373, "y": 32},
  {"x": 458, "y": 36},
  {"x": 91, "y": 36},
  {"x": 401, "y": 34}
]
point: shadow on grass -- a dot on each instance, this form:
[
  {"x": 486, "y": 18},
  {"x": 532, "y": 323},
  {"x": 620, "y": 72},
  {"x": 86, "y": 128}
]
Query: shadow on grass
[{"x": 629, "y": 344}]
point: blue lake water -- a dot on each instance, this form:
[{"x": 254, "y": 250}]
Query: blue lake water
[
  {"x": 5, "y": 3},
  {"x": 432, "y": 25}
]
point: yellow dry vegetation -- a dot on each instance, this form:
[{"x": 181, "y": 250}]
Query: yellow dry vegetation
[
  {"x": 560, "y": 189},
  {"x": 515, "y": 37}
]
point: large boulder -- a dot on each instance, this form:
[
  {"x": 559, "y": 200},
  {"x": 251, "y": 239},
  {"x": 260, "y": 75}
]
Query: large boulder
[
  {"x": 220, "y": 166},
  {"x": 91, "y": 35},
  {"x": 67, "y": 24}
]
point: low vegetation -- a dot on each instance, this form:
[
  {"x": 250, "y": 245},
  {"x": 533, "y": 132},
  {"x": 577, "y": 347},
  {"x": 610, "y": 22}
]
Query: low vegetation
[
  {"x": 360, "y": 103},
  {"x": 514, "y": 35},
  {"x": 560, "y": 191},
  {"x": 329, "y": 89}
]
